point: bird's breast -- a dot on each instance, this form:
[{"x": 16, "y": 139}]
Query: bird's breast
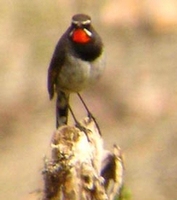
[{"x": 77, "y": 74}]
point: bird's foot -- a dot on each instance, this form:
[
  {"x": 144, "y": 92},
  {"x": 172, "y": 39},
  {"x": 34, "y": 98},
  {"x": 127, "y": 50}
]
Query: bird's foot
[
  {"x": 92, "y": 118},
  {"x": 81, "y": 127}
]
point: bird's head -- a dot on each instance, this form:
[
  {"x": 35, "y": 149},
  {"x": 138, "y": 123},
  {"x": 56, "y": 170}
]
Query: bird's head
[{"x": 81, "y": 29}]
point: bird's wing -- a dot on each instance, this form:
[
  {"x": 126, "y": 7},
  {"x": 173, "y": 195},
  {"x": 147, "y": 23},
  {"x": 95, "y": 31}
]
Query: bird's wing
[{"x": 55, "y": 67}]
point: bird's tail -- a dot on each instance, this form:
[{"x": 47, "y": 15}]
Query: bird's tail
[{"x": 62, "y": 109}]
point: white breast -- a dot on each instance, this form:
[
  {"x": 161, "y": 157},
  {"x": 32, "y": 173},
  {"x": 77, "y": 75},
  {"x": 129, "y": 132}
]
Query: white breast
[{"x": 77, "y": 74}]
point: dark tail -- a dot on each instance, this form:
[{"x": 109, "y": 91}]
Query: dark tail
[{"x": 62, "y": 109}]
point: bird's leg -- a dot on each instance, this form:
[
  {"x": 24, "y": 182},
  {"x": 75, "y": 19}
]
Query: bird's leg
[
  {"x": 73, "y": 115},
  {"x": 78, "y": 125},
  {"x": 90, "y": 115},
  {"x": 85, "y": 106},
  {"x": 62, "y": 107}
]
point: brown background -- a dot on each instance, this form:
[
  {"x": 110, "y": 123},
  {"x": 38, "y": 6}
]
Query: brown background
[{"x": 135, "y": 102}]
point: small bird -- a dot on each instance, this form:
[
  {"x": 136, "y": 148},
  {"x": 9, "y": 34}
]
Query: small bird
[{"x": 77, "y": 62}]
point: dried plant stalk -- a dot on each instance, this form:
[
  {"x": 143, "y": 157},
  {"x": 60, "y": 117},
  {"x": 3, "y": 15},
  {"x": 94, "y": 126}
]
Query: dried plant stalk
[{"x": 79, "y": 167}]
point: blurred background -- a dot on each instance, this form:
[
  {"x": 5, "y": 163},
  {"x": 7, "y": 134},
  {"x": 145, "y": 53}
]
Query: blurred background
[{"x": 135, "y": 102}]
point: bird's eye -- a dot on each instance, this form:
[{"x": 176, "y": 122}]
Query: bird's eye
[
  {"x": 86, "y": 26},
  {"x": 76, "y": 24}
]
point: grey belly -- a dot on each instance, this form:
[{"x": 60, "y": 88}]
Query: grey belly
[{"x": 76, "y": 74}]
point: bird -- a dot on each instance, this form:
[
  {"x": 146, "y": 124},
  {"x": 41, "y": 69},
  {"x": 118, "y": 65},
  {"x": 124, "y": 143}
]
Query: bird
[{"x": 77, "y": 62}]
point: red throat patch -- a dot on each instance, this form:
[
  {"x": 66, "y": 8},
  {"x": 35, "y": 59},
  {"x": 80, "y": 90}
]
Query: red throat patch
[{"x": 80, "y": 36}]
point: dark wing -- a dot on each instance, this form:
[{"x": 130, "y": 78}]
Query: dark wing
[{"x": 55, "y": 66}]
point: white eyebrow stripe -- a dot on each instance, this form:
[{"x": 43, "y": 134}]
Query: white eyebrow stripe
[
  {"x": 88, "y": 21},
  {"x": 75, "y": 22}
]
